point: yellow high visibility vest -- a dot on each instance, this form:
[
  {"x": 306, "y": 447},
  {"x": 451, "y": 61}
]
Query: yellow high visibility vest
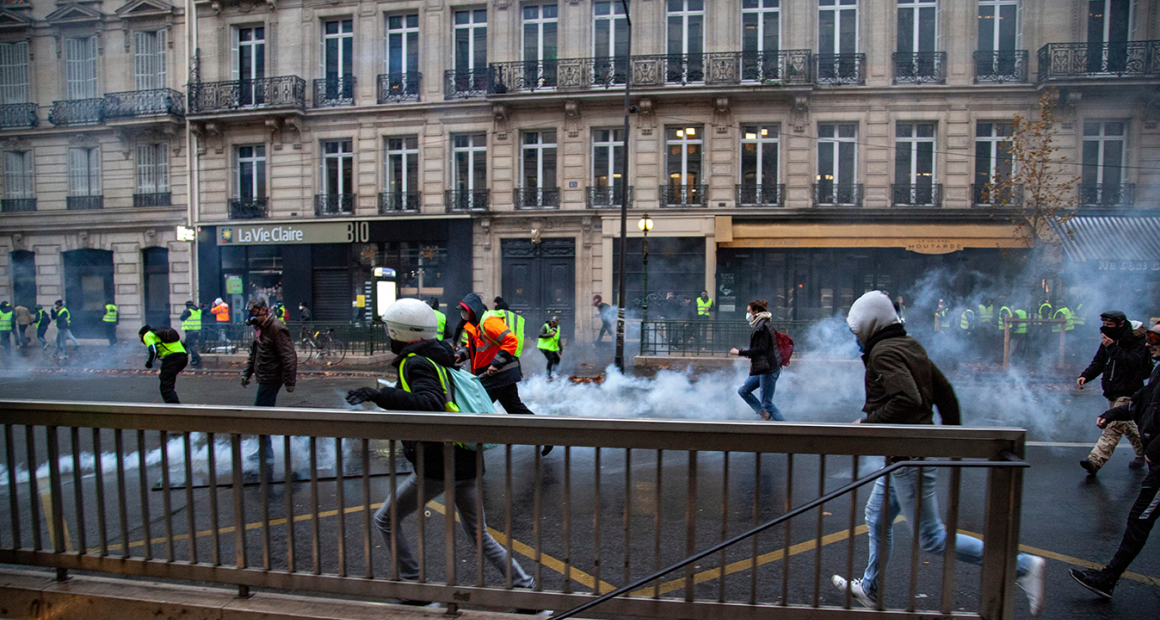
[
  {"x": 193, "y": 323},
  {"x": 110, "y": 313},
  {"x": 703, "y": 306}
]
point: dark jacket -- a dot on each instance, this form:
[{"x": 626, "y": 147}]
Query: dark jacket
[
  {"x": 902, "y": 385},
  {"x": 763, "y": 355},
  {"x": 1144, "y": 410},
  {"x": 62, "y": 316},
  {"x": 43, "y": 320},
  {"x": 1125, "y": 364},
  {"x": 426, "y": 394},
  {"x": 272, "y": 357}
]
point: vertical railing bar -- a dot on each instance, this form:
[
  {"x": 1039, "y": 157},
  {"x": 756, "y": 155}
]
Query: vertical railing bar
[
  {"x": 596, "y": 521},
  {"x": 393, "y": 513},
  {"x": 479, "y": 515},
  {"x": 883, "y": 531},
  {"x": 33, "y": 485},
  {"x": 340, "y": 503},
  {"x": 239, "y": 507},
  {"x": 724, "y": 522},
  {"x": 567, "y": 507},
  {"x": 756, "y": 522},
  {"x": 316, "y": 540},
  {"x": 13, "y": 496},
  {"x": 143, "y": 488},
  {"x": 265, "y": 463},
  {"x": 166, "y": 500},
  {"x": 187, "y": 442},
  {"x": 122, "y": 510},
  {"x": 288, "y": 492},
  {"x": 52, "y": 438},
  {"x": 850, "y": 533},
  {"x": 820, "y": 533},
  {"x": 449, "y": 516},
  {"x": 214, "y": 526},
  {"x": 366, "y": 491},
  {"x": 913, "y": 521},
  {"x": 691, "y": 523},
  {"x": 78, "y": 482},
  {"x": 627, "y": 515},
  {"x": 788, "y": 531},
  {"x": 537, "y": 467},
  {"x": 948, "y": 589},
  {"x": 421, "y": 523},
  {"x": 657, "y": 521},
  {"x": 507, "y": 524}
]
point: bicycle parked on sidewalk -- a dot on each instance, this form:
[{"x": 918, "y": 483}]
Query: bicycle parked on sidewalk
[{"x": 322, "y": 347}]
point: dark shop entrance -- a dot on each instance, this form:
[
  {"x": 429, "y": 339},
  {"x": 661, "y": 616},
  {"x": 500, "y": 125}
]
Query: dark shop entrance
[{"x": 539, "y": 281}]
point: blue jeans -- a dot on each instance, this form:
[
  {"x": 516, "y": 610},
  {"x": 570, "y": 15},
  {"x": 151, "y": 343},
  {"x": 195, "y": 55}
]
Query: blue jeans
[
  {"x": 932, "y": 534},
  {"x": 768, "y": 384}
]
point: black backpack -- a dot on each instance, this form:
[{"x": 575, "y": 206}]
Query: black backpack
[{"x": 167, "y": 335}]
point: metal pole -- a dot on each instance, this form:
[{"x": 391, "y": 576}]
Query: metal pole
[
  {"x": 624, "y": 193},
  {"x": 644, "y": 303}
]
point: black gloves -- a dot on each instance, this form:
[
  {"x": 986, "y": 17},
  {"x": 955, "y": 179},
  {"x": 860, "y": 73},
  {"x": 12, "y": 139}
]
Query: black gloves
[
  {"x": 149, "y": 364},
  {"x": 361, "y": 395}
]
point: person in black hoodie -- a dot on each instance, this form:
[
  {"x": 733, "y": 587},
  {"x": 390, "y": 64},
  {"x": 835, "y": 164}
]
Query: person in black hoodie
[
  {"x": 764, "y": 362},
  {"x": 1144, "y": 409},
  {"x": 422, "y": 361},
  {"x": 1124, "y": 362}
]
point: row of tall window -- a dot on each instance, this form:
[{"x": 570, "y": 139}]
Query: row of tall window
[
  {"x": 84, "y": 172},
  {"x": 80, "y": 66}
]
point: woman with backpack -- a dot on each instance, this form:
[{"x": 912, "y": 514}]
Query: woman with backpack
[
  {"x": 764, "y": 362},
  {"x": 165, "y": 343}
]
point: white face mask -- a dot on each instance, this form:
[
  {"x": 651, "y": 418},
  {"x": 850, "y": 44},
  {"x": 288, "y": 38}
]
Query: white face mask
[{"x": 748, "y": 316}]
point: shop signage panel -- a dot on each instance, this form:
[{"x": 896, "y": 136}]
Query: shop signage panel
[{"x": 280, "y": 234}]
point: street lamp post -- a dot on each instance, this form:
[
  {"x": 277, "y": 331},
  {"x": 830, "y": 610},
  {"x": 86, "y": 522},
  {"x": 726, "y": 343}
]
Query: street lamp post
[
  {"x": 619, "y": 360},
  {"x": 645, "y": 224}
]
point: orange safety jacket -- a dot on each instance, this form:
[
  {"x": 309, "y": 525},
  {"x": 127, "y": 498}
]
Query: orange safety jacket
[
  {"x": 221, "y": 312},
  {"x": 485, "y": 343}
]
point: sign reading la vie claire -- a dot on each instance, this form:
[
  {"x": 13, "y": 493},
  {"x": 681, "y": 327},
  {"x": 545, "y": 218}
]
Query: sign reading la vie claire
[{"x": 279, "y": 234}]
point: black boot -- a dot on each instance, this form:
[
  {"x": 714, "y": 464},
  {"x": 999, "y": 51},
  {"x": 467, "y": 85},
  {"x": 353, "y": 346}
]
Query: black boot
[{"x": 1098, "y": 581}]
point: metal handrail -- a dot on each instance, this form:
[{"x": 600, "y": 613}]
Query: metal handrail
[{"x": 1009, "y": 461}]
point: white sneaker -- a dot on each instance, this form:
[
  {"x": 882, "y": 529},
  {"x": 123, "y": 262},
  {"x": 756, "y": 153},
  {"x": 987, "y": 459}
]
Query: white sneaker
[
  {"x": 1034, "y": 583},
  {"x": 856, "y": 590}
]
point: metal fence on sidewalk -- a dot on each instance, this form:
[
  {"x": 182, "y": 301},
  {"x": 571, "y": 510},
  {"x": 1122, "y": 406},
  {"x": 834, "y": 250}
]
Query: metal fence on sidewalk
[
  {"x": 360, "y": 338},
  {"x": 177, "y": 492},
  {"x": 698, "y": 338}
]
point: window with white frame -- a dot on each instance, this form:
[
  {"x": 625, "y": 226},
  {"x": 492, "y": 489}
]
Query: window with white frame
[
  {"x": 471, "y": 40},
  {"x": 18, "y": 178},
  {"x": 540, "y": 47},
  {"x": 1110, "y": 25},
  {"x": 1105, "y": 154},
  {"x": 760, "y": 39},
  {"x": 914, "y": 164},
  {"x": 14, "y": 72},
  {"x": 686, "y": 41},
  {"x": 84, "y": 171},
  {"x": 249, "y": 63},
  {"x": 469, "y": 170},
  {"x": 759, "y": 170},
  {"x": 338, "y": 59},
  {"x": 609, "y": 42},
  {"x": 998, "y": 57},
  {"x": 684, "y": 148},
  {"x": 607, "y": 157},
  {"x": 402, "y": 173},
  {"x": 337, "y": 167},
  {"x": 993, "y": 162},
  {"x": 917, "y": 59},
  {"x": 538, "y": 170},
  {"x": 402, "y": 57},
  {"x": 80, "y": 68},
  {"x": 837, "y": 164},
  {"x": 838, "y": 41},
  {"x": 152, "y": 169},
  {"x": 250, "y": 173},
  {"x": 149, "y": 50}
]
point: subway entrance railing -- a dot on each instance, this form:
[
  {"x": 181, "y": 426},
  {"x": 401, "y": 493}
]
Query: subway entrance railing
[{"x": 177, "y": 493}]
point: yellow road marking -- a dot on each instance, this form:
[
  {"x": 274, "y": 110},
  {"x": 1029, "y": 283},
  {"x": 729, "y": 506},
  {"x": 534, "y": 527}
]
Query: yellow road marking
[
  {"x": 46, "y": 501},
  {"x": 1067, "y": 559}
]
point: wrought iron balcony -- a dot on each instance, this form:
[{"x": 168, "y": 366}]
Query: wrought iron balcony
[
  {"x": 249, "y": 208},
  {"x": 532, "y": 75},
  {"x": 466, "y": 200},
  {"x": 536, "y": 198},
  {"x": 334, "y": 204},
  {"x": 81, "y": 203},
  {"x": 264, "y": 93},
  {"x": 1105, "y": 195},
  {"x": 605, "y": 196},
  {"x": 920, "y": 68},
  {"x": 77, "y": 112},
  {"x": 18, "y": 116},
  {"x": 1130, "y": 59},
  {"x": 466, "y": 83},
  {"x": 1001, "y": 67},
  {"x": 840, "y": 69},
  {"x": 662, "y": 69},
  {"x": 399, "y": 202},
  {"x": 136, "y": 103},
  {"x": 17, "y": 205},
  {"x": 761, "y": 195},
  {"x": 992, "y": 196},
  {"x": 155, "y": 199},
  {"x": 842, "y": 195},
  {"x": 398, "y": 87},
  {"x": 684, "y": 195},
  {"x": 784, "y": 66},
  {"x": 921, "y": 195},
  {"x": 334, "y": 91}
]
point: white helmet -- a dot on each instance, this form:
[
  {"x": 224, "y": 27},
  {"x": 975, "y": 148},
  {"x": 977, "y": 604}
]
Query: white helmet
[{"x": 409, "y": 320}]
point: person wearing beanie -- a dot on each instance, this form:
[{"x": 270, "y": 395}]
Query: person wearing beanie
[{"x": 903, "y": 386}]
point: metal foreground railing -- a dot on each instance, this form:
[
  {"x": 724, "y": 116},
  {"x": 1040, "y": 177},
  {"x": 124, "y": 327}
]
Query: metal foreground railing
[{"x": 176, "y": 494}]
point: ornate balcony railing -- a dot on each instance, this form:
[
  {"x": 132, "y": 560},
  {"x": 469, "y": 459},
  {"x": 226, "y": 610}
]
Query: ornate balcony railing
[
  {"x": 761, "y": 195},
  {"x": 466, "y": 83},
  {"x": 1132, "y": 59},
  {"x": 531, "y": 75},
  {"x": 399, "y": 202},
  {"x": 605, "y": 196},
  {"x": 288, "y": 91},
  {"x": 920, "y": 68},
  {"x": 536, "y": 198},
  {"x": 17, "y": 205},
  {"x": 840, "y": 69},
  {"x": 1001, "y": 67},
  {"x": 684, "y": 195},
  {"x": 82, "y": 203},
  {"x": 398, "y": 87},
  {"x": 1106, "y": 195},
  {"x": 991, "y": 196},
  {"x": 843, "y": 195},
  {"x": 135, "y": 103},
  {"x": 466, "y": 200},
  {"x": 662, "y": 69},
  {"x": 784, "y": 66},
  {"x": 155, "y": 199},
  {"x": 921, "y": 195},
  {"x": 77, "y": 112},
  {"x": 18, "y": 116},
  {"x": 249, "y": 208},
  {"x": 334, "y": 204},
  {"x": 334, "y": 91}
]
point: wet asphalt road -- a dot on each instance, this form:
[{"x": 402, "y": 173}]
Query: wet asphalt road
[{"x": 1071, "y": 518}]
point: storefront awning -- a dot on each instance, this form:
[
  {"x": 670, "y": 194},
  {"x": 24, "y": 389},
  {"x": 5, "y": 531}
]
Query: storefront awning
[{"x": 1110, "y": 238}]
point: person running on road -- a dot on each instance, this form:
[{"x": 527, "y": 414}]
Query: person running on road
[
  {"x": 764, "y": 362},
  {"x": 1143, "y": 408},
  {"x": 272, "y": 360},
  {"x": 191, "y": 324},
  {"x": 63, "y": 319},
  {"x": 606, "y": 314},
  {"x": 164, "y": 343},
  {"x": 902, "y": 387},
  {"x": 549, "y": 344},
  {"x": 422, "y": 362},
  {"x": 1124, "y": 362},
  {"x": 43, "y": 320}
]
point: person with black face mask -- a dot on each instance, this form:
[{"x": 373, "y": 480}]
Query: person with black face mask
[{"x": 1124, "y": 362}]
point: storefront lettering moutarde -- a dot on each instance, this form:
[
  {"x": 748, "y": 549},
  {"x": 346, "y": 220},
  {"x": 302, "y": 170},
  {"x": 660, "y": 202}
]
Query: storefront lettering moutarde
[
  {"x": 313, "y": 232},
  {"x": 934, "y": 246}
]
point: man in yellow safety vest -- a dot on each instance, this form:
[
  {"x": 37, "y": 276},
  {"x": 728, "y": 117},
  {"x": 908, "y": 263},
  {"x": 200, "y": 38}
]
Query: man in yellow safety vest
[
  {"x": 110, "y": 320},
  {"x": 549, "y": 344},
  {"x": 191, "y": 325}
]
